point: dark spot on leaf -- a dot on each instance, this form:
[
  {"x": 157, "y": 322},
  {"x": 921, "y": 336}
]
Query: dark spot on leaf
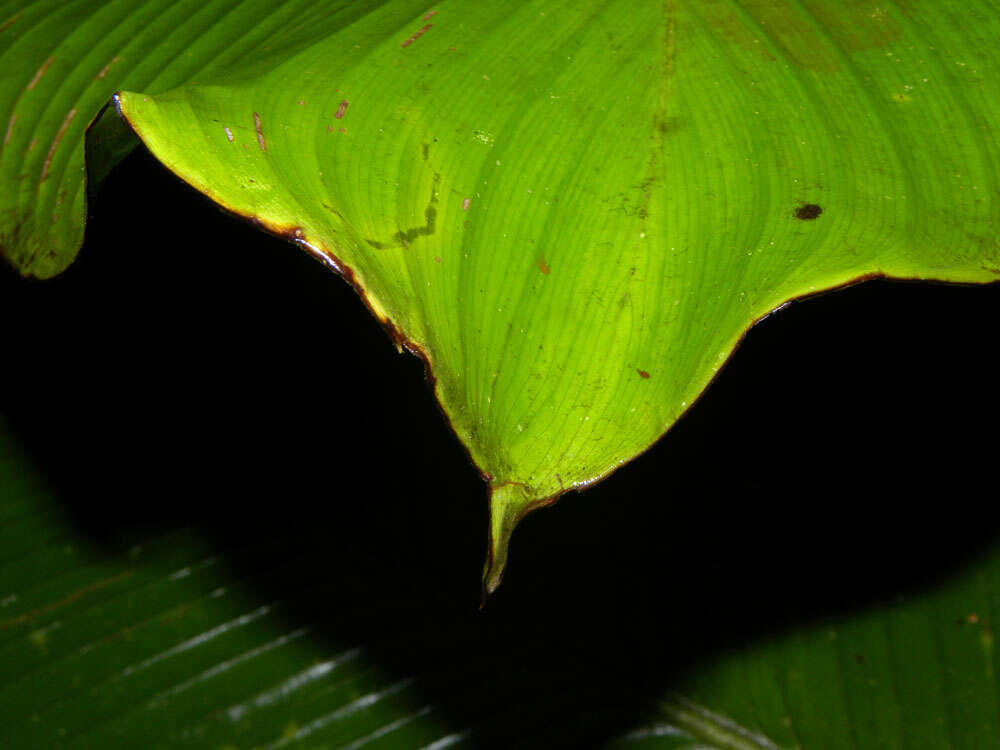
[
  {"x": 808, "y": 211},
  {"x": 667, "y": 125},
  {"x": 643, "y": 374},
  {"x": 11, "y": 21},
  {"x": 405, "y": 238},
  {"x": 420, "y": 32}
]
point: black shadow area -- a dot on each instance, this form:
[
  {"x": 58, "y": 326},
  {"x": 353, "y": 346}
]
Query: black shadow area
[{"x": 191, "y": 371}]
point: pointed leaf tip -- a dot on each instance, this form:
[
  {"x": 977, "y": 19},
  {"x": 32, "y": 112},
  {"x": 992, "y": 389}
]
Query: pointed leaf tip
[{"x": 509, "y": 502}]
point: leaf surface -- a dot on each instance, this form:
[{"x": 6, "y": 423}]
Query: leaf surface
[{"x": 572, "y": 211}]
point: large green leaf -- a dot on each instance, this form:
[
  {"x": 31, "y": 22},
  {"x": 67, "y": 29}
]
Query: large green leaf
[{"x": 571, "y": 211}]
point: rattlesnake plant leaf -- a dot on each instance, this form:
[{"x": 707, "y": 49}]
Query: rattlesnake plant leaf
[{"x": 572, "y": 211}]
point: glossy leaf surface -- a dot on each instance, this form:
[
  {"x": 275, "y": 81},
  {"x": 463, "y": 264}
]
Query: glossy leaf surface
[{"x": 571, "y": 211}]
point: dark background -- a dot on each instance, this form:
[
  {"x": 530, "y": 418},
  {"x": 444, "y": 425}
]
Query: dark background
[{"x": 191, "y": 371}]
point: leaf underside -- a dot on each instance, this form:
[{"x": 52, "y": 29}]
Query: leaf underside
[{"x": 572, "y": 211}]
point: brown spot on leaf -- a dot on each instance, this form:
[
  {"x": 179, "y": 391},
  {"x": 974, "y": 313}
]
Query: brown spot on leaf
[
  {"x": 106, "y": 68},
  {"x": 806, "y": 33},
  {"x": 667, "y": 125},
  {"x": 808, "y": 211},
  {"x": 65, "y": 601},
  {"x": 543, "y": 266},
  {"x": 10, "y": 128},
  {"x": 11, "y": 21},
  {"x": 55, "y": 144},
  {"x": 39, "y": 74},
  {"x": 465, "y": 205},
  {"x": 341, "y": 109},
  {"x": 643, "y": 374},
  {"x": 416, "y": 36},
  {"x": 858, "y": 25},
  {"x": 430, "y": 15}
]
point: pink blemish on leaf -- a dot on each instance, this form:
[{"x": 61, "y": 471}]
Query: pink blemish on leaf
[
  {"x": 437, "y": 260},
  {"x": 301, "y": 103},
  {"x": 106, "y": 68},
  {"x": 39, "y": 74},
  {"x": 341, "y": 109},
  {"x": 55, "y": 144},
  {"x": 260, "y": 133},
  {"x": 430, "y": 15},
  {"x": 415, "y": 37},
  {"x": 465, "y": 205}
]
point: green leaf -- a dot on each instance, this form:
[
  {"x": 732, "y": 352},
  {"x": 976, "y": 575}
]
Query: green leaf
[
  {"x": 919, "y": 671},
  {"x": 572, "y": 211}
]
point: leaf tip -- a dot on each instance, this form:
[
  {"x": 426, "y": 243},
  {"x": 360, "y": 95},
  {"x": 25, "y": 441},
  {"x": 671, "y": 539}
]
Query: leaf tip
[{"x": 507, "y": 501}]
